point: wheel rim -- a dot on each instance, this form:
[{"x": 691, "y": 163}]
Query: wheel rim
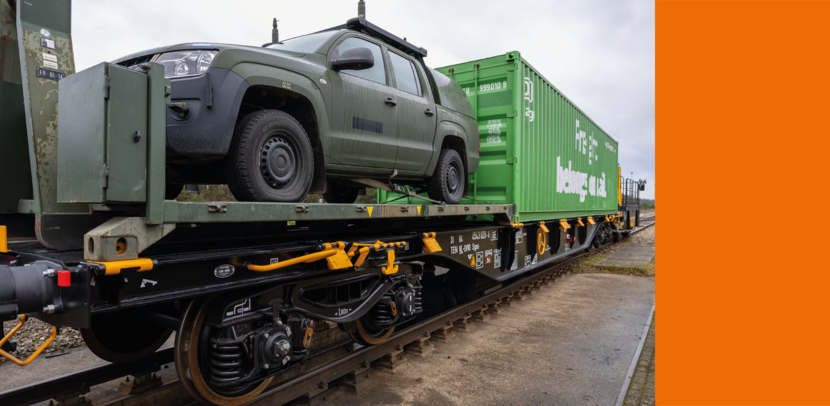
[
  {"x": 369, "y": 336},
  {"x": 188, "y": 341},
  {"x": 278, "y": 161},
  {"x": 453, "y": 179}
]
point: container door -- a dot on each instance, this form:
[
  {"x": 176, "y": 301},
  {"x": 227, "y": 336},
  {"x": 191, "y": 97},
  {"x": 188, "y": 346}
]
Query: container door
[
  {"x": 363, "y": 113},
  {"x": 416, "y": 115}
]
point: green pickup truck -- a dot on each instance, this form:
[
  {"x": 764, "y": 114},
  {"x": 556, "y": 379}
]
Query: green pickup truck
[{"x": 329, "y": 112}]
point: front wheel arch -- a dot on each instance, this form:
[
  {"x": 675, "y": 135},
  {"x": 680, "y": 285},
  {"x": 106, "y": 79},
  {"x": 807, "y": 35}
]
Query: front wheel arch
[{"x": 261, "y": 97}]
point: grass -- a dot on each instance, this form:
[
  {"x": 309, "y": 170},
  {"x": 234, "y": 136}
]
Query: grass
[
  {"x": 221, "y": 193},
  {"x": 589, "y": 264}
]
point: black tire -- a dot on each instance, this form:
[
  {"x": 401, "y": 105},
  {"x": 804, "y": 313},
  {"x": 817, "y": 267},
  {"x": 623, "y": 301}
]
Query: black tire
[
  {"x": 337, "y": 193},
  {"x": 270, "y": 159},
  {"x": 448, "y": 181},
  {"x": 172, "y": 190}
]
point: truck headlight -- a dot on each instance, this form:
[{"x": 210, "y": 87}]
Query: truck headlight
[{"x": 180, "y": 64}]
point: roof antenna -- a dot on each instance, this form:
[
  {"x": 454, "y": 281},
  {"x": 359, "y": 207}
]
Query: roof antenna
[
  {"x": 275, "y": 33},
  {"x": 361, "y": 9}
]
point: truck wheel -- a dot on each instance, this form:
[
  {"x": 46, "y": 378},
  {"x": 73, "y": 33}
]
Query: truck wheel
[
  {"x": 447, "y": 182},
  {"x": 337, "y": 193},
  {"x": 270, "y": 159},
  {"x": 172, "y": 190}
]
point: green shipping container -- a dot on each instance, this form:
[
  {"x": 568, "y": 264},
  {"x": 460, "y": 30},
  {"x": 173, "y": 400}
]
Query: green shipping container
[{"x": 538, "y": 150}]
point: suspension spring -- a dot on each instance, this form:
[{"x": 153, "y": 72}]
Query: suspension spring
[
  {"x": 225, "y": 363},
  {"x": 417, "y": 301},
  {"x": 381, "y": 313}
]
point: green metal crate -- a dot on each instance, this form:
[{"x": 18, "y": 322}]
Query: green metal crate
[{"x": 538, "y": 150}]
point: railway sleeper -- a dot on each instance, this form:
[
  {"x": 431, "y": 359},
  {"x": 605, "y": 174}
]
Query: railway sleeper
[{"x": 420, "y": 347}]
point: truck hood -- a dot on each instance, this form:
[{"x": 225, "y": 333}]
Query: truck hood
[{"x": 207, "y": 46}]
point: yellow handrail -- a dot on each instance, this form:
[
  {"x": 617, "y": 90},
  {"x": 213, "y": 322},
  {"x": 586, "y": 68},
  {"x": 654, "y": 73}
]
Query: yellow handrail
[
  {"x": 34, "y": 355},
  {"x": 301, "y": 259}
]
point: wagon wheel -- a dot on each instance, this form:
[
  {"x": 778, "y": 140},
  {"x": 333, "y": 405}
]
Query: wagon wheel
[
  {"x": 365, "y": 334},
  {"x": 117, "y": 337},
  {"x": 192, "y": 345}
]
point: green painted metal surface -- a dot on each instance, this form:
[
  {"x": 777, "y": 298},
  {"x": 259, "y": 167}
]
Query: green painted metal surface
[
  {"x": 45, "y": 49},
  {"x": 81, "y": 137},
  {"x": 224, "y": 212},
  {"x": 14, "y": 156},
  {"x": 103, "y": 136},
  {"x": 126, "y": 135},
  {"x": 539, "y": 151}
]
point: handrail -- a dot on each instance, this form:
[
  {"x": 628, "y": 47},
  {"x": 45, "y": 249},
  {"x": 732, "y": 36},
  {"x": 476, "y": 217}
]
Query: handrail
[{"x": 34, "y": 355}]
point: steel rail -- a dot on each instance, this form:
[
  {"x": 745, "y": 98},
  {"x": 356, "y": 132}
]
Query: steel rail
[
  {"x": 296, "y": 387},
  {"x": 81, "y": 381}
]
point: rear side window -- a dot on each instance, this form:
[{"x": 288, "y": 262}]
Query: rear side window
[
  {"x": 376, "y": 73},
  {"x": 405, "y": 76}
]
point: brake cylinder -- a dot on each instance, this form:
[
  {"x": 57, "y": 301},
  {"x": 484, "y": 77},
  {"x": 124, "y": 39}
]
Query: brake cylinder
[{"x": 25, "y": 289}]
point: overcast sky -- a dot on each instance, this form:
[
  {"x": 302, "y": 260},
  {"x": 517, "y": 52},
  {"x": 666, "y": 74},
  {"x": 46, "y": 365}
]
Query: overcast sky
[{"x": 599, "y": 53}]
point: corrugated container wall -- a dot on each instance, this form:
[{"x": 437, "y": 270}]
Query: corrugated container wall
[{"x": 538, "y": 150}]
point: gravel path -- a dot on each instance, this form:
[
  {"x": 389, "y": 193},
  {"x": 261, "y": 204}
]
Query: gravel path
[{"x": 34, "y": 333}]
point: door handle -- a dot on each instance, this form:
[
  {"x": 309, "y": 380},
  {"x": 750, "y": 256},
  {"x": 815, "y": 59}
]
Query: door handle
[
  {"x": 390, "y": 102},
  {"x": 429, "y": 113}
]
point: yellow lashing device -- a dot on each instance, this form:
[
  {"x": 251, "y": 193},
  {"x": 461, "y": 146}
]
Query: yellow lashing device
[
  {"x": 4, "y": 246},
  {"x": 362, "y": 251},
  {"x": 430, "y": 245},
  {"x": 34, "y": 355},
  {"x": 591, "y": 220},
  {"x": 579, "y": 221},
  {"x": 563, "y": 224},
  {"x": 542, "y": 238}
]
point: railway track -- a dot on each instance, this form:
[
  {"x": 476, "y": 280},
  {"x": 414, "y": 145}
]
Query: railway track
[{"x": 337, "y": 362}]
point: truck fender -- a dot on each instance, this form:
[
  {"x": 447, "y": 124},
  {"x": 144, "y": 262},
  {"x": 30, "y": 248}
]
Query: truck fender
[
  {"x": 258, "y": 75},
  {"x": 449, "y": 134}
]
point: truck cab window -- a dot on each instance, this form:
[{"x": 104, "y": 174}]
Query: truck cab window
[
  {"x": 376, "y": 73},
  {"x": 405, "y": 76}
]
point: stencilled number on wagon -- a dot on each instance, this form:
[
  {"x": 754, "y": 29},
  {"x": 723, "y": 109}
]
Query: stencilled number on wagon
[
  {"x": 342, "y": 312},
  {"x": 492, "y": 86}
]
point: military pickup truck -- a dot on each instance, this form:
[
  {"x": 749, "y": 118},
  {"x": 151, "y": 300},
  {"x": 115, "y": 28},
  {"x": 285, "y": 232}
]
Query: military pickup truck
[{"x": 329, "y": 112}]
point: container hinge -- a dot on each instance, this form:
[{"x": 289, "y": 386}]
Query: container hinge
[
  {"x": 105, "y": 176},
  {"x": 106, "y": 87},
  {"x": 512, "y": 114},
  {"x": 513, "y": 160}
]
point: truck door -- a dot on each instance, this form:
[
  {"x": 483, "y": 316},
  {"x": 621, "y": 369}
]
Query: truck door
[
  {"x": 363, "y": 114},
  {"x": 416, "y": 115}
]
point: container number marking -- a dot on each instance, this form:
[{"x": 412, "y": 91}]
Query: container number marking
[{"x": 492, "y": 86}]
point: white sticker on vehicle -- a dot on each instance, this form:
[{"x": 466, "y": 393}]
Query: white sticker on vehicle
[
  {"x": 50, "y": 64},
  {"x": 146, "y": 282}
]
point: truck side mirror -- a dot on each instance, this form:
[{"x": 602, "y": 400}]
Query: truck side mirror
[{"x": 354, "y": 59}]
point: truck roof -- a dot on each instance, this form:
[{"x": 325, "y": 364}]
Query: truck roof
[{"x": 360, "y": 24}]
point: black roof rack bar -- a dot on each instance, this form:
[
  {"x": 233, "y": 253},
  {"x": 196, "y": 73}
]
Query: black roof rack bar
[{"x": 361, "y": 25}]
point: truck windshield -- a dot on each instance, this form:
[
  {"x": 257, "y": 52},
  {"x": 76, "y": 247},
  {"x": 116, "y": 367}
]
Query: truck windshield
[{"x": 306, "y": 43}]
